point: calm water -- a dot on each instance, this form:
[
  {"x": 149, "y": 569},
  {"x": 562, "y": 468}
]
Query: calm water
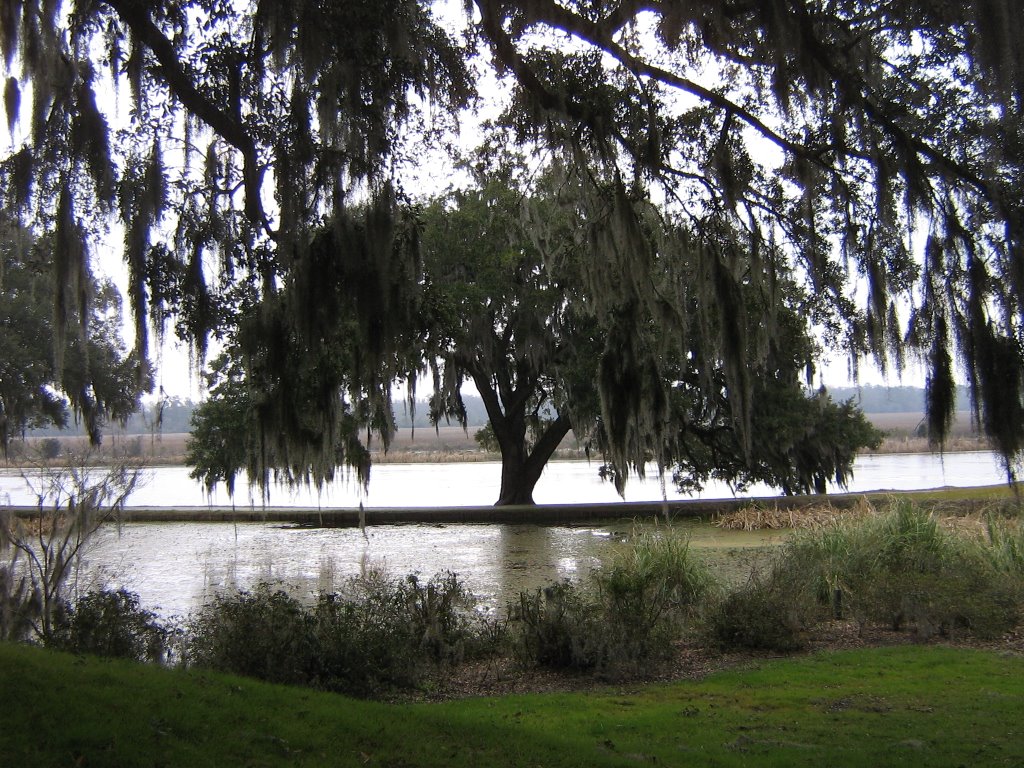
[{"x": 175, "y": 567}]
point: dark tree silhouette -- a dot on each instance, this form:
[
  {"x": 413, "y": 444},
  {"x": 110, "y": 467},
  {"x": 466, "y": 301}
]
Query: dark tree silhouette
[{"x": 819, "y": 140}]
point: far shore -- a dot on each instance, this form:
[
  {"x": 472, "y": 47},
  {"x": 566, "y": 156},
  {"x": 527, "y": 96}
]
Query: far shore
[{"x": 451, "y": 443}]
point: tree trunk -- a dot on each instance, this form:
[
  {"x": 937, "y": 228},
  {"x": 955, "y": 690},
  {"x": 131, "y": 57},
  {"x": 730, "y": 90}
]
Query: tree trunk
[
  {"x": 520, "y": 470},
  {"x": 517, "y": 481}
]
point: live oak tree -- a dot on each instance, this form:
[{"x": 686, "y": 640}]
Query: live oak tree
[
  {"x": 507, "y": 309},
  {"x": 872, "y": 150},
  {"x": 515, "y": 327}
]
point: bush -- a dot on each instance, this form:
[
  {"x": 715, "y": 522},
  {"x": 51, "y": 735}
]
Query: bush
[
  {"x": 110, "y": 624},
  {"x": 375, "y": 635},
  {"x": 647, "y": 594},
  {"x": 264, "y": 634},
  {"x": 382, "y": 633},
  {"x": 914, "y": 574},
  {"x": 625, "y": 617},
  {"x": 559, "y": 626},
  {"x": 904, "y": 570},
  {"x": 49, "y": 448},
  {"x": 767, "y": 613}
]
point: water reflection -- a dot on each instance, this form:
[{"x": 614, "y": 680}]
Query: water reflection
[{"x": 176, "y": 567}]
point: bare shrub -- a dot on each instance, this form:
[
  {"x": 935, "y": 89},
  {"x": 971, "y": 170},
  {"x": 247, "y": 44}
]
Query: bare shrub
[{"x": 44, "y": 547}]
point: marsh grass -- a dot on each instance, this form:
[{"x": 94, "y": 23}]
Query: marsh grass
[
  {"x": 756, "y": 517},
  {"x": 624, "y": 616},
  {"x": 903, "y": 568}
]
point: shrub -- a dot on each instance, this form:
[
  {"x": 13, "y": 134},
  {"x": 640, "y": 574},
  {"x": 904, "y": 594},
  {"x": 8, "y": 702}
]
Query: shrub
[
  {"x": 559, "y": 626},
  {"x": 381, "y": 633},
  {"x": 265, "y": 634},
  {"x": 375, "y": 635},
  {"x": 109, "y": 623},
  {"x": 915, "y": 574},
  {"x": 766, "y": 613},
  {"x": 904, "y": 570},
  {"x": 647, "y": 594},
  {"x": 625, "y": 616},
  {"x": 49, "y": 448}
]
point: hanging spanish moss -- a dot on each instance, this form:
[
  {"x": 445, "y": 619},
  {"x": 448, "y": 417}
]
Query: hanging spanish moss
[
  {"x": 939, "y": 388},
  {"x": 265, "y": 145}
]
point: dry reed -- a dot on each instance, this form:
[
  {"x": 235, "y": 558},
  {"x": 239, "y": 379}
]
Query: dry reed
[{"x": 757, "y": 517}]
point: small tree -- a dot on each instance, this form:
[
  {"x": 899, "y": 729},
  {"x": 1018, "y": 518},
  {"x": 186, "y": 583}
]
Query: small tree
[{"x": 73, "y": 500}]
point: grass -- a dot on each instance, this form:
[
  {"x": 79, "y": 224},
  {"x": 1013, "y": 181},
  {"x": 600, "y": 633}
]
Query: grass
[{"x": 928, "y": 706}]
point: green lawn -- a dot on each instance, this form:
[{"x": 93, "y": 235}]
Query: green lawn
[{"x": 915, "y": 706}]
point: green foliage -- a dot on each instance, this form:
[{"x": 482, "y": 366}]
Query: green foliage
[
  {"x": 510, "y": 292},
  {"x": 91, "y": 373},
  {"x": 624, "y": 617},
  {"x": 376, "y": 635},
  {"x": 381, "y": 633},
  {"x": 899, "y": 569},
  {"x": 218, "y": 446},
  {"x": 768, "y": 612},
  {"x": 902, "y": 569},
  {"x": 503, "y": 312},
  {"x": 1006, "y": 546},
  {"x": 886, "y": 124},
  {"x": 109, "y": 624},
  {"x": 263, "y": 634},
  {"x": 49, "y": 448},
  {"x": 485, "y": 438}
]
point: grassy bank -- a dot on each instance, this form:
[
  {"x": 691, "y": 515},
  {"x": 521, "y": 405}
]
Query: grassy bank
[{"x": 933, "y": 706}]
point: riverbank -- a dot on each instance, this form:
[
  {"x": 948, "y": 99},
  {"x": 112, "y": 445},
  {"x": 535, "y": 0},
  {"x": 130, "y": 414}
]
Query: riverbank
[
  {"x": 453, "y": 443},
  {"x": 956, "y": 501}
]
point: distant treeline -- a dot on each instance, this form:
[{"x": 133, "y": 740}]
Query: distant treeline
[
  {"x": 881, "y": 399},
  {"x": 172, "y": 417},
  {"x": 476, "y": 414},
  {"x": 175, "y": 415}
]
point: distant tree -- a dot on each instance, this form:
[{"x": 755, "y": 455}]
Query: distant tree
[
  {"x": 86, "y": 371},
  {"x": 503, "y": 320},
  {"x": 226, "y": 438},
  {"x": 219, "y": 444}
]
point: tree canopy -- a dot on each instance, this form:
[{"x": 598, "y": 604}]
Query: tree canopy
[
  {"x": 89, "y": 373},
  {"x": 511, "y": 313},
  {"x": 870, "y": 150}
]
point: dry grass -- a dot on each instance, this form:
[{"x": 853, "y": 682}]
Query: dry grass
[
  {"x": 758, "y": 517},
  {"x": 971, "y": 519}
]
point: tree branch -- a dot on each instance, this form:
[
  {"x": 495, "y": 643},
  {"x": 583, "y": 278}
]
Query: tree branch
[{"x": 229, "y": 127}]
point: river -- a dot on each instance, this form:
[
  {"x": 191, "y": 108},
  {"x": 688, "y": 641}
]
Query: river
[{"x": 563, "y": 482}]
